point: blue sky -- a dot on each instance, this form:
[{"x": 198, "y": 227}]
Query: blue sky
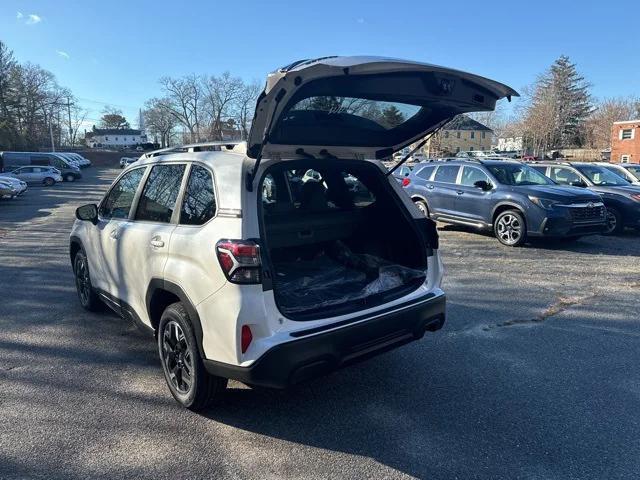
[{"x": 115, "y": 51}]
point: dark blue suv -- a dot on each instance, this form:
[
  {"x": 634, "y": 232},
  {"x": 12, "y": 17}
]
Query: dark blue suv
[{"x": 507, "y": 196}]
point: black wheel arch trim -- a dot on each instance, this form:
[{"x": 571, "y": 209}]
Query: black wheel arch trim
[
  {"x": 508, "y": 204},
  {"x": 159, "y": 284}
]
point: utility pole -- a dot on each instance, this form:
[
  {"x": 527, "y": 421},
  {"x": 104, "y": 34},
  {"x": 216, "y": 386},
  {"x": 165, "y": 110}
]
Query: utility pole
[
  {"x": 71, "y": 139},
  {"x": 53, "y": 145}
]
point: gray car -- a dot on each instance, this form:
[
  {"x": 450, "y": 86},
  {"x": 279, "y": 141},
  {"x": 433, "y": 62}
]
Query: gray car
[{"x": 40, "y": 175}]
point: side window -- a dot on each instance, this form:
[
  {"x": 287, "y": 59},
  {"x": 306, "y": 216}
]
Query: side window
[
  {"x": 199, "y": 203},
  {"x": 43, "y": 160},
  {"x": 158, "y": 198},
  {"x": 425, "y": 172},
  {"x": 446, "y": 174},
  {"x": 118, "y": 202},
  {"x": 360, "y": 194},
  {"x": 540, "y": 168},
  {"x": 471, "y": 175},
  {"x": 269, "y": 189},
  {"x": 564, "y": 176}
]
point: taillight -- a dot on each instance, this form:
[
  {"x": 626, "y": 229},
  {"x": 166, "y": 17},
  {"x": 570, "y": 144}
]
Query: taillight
[
  {"x": 406, "y": 181},
  {"x": 245, "y": 338},
  {"x": 240, "y": 260}
]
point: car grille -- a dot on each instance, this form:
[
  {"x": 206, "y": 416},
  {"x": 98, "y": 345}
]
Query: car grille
[{"x": 588, "y": 213}]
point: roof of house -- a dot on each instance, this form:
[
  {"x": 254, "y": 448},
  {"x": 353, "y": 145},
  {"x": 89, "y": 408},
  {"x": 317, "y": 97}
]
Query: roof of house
[
  {"x": 462, "y": 122},
  {"x": 114, "y": 131},
  {"x": 627, "y": 121}
]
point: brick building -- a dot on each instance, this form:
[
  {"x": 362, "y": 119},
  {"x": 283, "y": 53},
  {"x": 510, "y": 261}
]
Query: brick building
[{"x": 625, "y": 142}]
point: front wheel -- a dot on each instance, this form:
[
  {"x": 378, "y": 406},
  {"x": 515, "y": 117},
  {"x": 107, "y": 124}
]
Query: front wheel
[
  {"x": 189, "y": 382},
  {"x": 614, "y": 222},
  {"x": 510, "y": 228},
  {"x": 48, "y": 182},
  {"x": 70, "y": 178}
]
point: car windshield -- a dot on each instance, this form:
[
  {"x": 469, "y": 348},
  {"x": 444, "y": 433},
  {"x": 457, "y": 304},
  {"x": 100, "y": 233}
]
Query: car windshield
[
  {"x": 518, "y": 175},
  {"x": 634, "y": 171},
  {"x": 601, "y": 176}
]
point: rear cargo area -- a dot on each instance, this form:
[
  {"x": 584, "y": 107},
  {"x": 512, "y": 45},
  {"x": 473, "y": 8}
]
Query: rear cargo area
[{"x": 336, "y": 238}]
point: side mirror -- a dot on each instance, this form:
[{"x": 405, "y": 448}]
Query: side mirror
[
  {"x": 88, "y": 213},
  {"x": 578, "y": 183},
  {"x": 483, "y": 185}
]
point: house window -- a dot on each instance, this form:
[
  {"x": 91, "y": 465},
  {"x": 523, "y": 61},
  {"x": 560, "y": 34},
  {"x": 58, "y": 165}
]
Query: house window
[
  {"x": 473, "y": 135},
  {"x": 471, "y": 149},
  {"x": 457, "y": 149},
  {"x": 458, "y": 134},
  {"x": 446, "y": 134},
  {"x": 626, "y": 134},
  {"x": 624, "y": 159},
  {"x": 484, "y": 135},
  {"x": 116, "y": 139}
]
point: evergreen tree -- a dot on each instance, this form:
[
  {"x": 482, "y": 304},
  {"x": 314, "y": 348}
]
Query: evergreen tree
[{"x": 392, "y": 117}]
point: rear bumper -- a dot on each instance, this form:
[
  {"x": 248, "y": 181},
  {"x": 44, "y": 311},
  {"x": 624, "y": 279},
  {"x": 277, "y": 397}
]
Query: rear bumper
[{"x": 315, "y": 352}]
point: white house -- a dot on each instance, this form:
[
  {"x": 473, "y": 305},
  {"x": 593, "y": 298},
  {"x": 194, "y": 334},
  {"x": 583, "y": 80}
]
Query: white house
[{"x": 114, "y": 138}]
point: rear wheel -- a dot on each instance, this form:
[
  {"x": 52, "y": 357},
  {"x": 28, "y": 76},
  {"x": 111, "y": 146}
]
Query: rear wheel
[
  {"x": 87, "y": 295},
  {"x": 70, "y": 178},
  {"x": 510, "y": 228},
  {"x": 189, "y": 382},
  {"x": 422, "y": 206},
  {"x": 614, "y": 222},
  {"x": 48, "y": 181}
]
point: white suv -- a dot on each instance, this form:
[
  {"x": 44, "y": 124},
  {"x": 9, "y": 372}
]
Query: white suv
[{"x": 295, "y": 254}]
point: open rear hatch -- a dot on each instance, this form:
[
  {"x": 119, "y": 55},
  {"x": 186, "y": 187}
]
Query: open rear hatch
[{"x": 337, "y": 236}]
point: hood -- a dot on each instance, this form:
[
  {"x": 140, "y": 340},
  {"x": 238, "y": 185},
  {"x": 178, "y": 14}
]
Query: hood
[
  {"x": 619, "y": 190},
  {"x": 361, "y": 107},
  {"x": 559, "y": 193}
]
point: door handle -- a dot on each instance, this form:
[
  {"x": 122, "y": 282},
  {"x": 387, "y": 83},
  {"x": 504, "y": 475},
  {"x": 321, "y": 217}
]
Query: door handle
[
  {"x": 113, "y": 234},
  {"x": 459, "y": 192},
  {"x": 156, "y": 242}
]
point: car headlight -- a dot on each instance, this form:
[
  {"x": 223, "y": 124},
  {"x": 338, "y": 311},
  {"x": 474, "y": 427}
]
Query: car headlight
[{"x": 543, "y": 202}]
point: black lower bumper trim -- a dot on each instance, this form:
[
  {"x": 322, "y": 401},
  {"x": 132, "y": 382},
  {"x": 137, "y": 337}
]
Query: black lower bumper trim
[{"x": 305, "y": 358}]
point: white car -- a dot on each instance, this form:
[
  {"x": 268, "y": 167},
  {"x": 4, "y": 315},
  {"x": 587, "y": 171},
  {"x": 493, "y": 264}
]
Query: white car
[
  {"x": 18, "y": 185},
  {"x": 275, "y": 291},
  {"x": 126, "y": 161}
]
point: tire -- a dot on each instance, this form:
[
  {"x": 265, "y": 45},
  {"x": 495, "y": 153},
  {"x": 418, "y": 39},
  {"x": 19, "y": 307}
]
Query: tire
[
  {"x": 423, "y": 207},
  {"x": 48, "y": 182},
  {"x": 614, "y": 222},
  {"x": 69, "y": 178},
  {"x": 87, "y": 295},
  {"x": 510, "y": 228},
  {"x": 181, "y": 360}
]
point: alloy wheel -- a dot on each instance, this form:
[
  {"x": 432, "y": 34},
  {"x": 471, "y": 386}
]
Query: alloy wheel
[
  {"x": 509, "y": 229},
  {"x": 177, "y": 357},
  {"x": 423, "y": 208},
  {"x": 612, "y": 222},
  {"x": 83, "y": 282}
]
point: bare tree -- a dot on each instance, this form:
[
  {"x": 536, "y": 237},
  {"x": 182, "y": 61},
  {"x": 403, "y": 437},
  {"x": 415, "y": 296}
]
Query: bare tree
[
  {"x": 159, "y": 120},
  {"x": 184, "y": 98},
  {"x": 607, "y": 111},
  {"x": 245, "y": 107},
  {"x": 221, "y": 94}
]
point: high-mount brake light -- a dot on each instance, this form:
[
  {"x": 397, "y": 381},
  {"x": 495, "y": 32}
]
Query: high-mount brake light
[{"x": 240, "y": 260}]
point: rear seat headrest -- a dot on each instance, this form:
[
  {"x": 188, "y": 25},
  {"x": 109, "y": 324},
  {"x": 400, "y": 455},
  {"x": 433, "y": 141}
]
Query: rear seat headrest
[{"x": 313, "y": 196}]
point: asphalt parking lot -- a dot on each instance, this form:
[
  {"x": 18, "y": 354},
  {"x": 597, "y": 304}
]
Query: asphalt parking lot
[{"x": 534, "y": 376}]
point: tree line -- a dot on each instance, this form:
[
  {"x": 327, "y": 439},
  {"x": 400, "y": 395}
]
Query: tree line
[
  {"x": 34, "y": 110},
  {"x": 201, "y": 108},
  {"x": 558, "y": 111}
]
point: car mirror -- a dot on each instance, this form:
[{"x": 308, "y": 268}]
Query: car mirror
[
  {"x": 88, "y": 213},
  {"x": 578, "y": 183},
  {"x": 483, "y": 185}
]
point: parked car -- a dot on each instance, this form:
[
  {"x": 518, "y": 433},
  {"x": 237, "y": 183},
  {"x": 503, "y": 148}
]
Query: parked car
[
  {"x": 7, "y": 189},
  {"x": 82, "y": 162},
  {"x": 619, "y": 170},
  {"x": 505, "y": 196},
  {"x": 634, "y": 168},
  {"x": 11, "y": 160},
  {"x": 47, "y": 176},
  {"x": 139, "y": 149},
  {"x": 621, "y": 199},
  {"x": 16, "y": 183},
  {"x": 273, "y": 293}
]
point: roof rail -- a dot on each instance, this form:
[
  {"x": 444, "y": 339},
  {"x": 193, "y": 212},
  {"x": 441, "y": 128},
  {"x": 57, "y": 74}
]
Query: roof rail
[{"x": 193, "y": 147}]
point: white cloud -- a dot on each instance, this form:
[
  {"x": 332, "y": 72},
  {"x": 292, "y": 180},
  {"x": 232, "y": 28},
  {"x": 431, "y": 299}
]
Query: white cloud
[
  {"x": 33, "y": 19},
  {"x": 63, "y": 54},
  {"x": 19, "y": 15}
]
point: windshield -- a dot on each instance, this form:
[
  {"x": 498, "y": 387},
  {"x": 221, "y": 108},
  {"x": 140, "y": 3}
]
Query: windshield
[
  {"x": 518, "y": 175},
  {"x": 601, "y": 176},
  {"x": 635, "y": 171},
  {"x": 621, "y": 172}
]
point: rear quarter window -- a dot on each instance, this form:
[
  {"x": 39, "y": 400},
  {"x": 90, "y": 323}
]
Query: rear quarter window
[{"x": 199, "y": 203}]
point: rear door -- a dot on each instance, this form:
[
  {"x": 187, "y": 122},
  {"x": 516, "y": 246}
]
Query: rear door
[
  {"x": 473, "y": 203},
  {"x": 443, "y": 197},
  {"x": 361, "y": 107},
  {"x": 144, "y": 240}
]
